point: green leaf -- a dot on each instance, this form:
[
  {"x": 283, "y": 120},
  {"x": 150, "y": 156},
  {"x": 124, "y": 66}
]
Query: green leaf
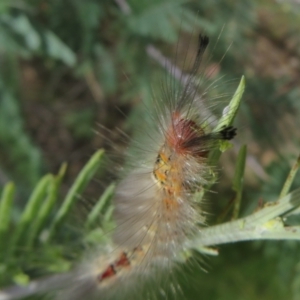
[
  {"x": 238, "y": 180},
  {"x": 33, "y": 205},
  {"x": 23, "y": 27},
  {"x": 98, "y": 208},
  {"x": 55, "y": 48},
  {"x": 83, "y": 178},
  {"x": 230, "y": 111},
  {"x": 6, "y": 203},
  {"x": 22, "y": 35},
  {"x": 44, "y": 212},
  {"x": 290, "y": 179},
  {"x": 227, "y": 119}
]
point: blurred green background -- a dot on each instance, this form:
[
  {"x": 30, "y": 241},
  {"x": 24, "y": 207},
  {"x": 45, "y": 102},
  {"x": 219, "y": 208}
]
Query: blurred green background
[{"x": 68, "y": 65}]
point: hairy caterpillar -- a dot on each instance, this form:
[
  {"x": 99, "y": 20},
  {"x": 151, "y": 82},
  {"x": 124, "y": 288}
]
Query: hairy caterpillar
[{"x": 156, "y": 211}]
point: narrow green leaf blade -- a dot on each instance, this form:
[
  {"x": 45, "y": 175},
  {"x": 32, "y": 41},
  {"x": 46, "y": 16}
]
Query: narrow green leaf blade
[
  {"x": 96, "y": 211},
  {"x": 29, "y": 214},
  {"x": 290, "y": 179},
  {"x": 80, "y": 183},
  {"x": 6, "y": 203},
  {"x": 238, "y": 180},
  {"x": 232, "y": 109},
  {"x": 46, "y": 208}
]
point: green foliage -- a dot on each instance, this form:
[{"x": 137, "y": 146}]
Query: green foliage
[
  {"x": 24, "y": 158},
  {"x": 40, "y": 224},
  {"x": 238, "y": 181},
  {"x": 77, "y": 188}
]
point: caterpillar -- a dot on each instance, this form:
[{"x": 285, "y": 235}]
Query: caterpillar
[{"x": 155, "y": 210}]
